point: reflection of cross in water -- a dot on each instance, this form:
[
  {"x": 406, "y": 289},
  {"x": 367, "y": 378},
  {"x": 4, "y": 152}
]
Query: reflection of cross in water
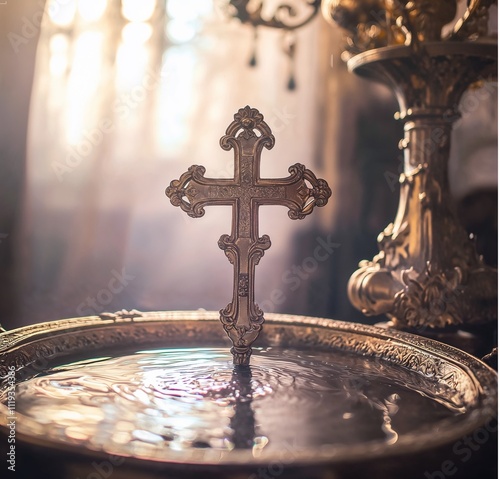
[
  {"x": 242, "y": 318},
  {"x": 243, "y": 420}
]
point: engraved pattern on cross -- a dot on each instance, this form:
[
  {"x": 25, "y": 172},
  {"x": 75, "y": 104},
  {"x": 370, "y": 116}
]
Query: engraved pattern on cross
[{"x": 242, "y": 319}]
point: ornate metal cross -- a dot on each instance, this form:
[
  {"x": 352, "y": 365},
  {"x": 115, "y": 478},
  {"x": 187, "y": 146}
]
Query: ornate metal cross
[{"x": 242, "y": 319}]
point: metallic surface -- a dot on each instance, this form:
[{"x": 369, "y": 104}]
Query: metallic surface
[
  {"x": 286, "y": 15},
  {"x": 427, "y": 273},
  {"x": 242, "y": 319},
  {"x": 436, "y": 368}
]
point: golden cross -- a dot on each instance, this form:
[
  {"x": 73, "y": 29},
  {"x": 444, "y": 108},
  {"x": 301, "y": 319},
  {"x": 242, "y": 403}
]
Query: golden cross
[{"x": 242, "y": 319}]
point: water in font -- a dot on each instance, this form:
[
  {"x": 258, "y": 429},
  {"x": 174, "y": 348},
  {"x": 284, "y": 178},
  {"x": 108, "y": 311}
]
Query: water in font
[{"x": 186, "y": 399}]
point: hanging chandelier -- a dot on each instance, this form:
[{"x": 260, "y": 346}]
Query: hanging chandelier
[{"x": 287, "y": 16}]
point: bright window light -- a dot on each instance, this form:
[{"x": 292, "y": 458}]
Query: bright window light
[
  {"x": 62, "y": 13},
  {"x": 138, "y": 10},
  {"x": 91, "y": 10}
]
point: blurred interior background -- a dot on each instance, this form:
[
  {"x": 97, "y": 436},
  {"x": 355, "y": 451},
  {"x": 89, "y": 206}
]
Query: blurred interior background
[{"x": 104, "y": 102}]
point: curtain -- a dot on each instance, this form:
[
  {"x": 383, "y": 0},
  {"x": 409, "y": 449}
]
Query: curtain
[{"x": 128, "y": 95}]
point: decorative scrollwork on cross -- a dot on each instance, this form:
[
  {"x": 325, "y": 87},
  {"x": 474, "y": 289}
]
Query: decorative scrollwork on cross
[{"x": 248, "y": 134}]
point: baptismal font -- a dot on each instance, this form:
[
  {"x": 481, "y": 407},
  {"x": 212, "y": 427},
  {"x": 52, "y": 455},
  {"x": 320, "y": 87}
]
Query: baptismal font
[{"x": 158, "y": 394}]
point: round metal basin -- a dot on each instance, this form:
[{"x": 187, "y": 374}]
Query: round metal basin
[{"x": 156, "y": 395}]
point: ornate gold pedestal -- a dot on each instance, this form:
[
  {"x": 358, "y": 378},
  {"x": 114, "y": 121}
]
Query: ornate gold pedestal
[{"x": 427, "y": 273}]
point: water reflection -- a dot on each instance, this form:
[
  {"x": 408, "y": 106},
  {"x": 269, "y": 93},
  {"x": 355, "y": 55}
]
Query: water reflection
[
  {"x": 151, "y": 402},
  {"x": 243, "y": 421}
]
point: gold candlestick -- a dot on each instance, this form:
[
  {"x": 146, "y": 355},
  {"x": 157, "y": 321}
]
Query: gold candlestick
[{"x": 427, "y": 273}]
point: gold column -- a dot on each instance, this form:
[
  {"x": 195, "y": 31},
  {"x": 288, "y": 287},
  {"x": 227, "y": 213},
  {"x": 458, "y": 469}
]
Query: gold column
[{"x": 427, "y": 273}]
